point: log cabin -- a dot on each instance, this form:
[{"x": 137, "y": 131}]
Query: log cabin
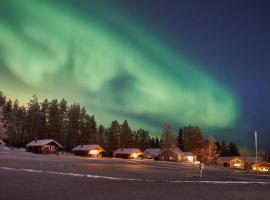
[
  {"x": 127, "y": 153},
  {"x": 90, "y": 150},
  {"x": 46, "y": 146}
]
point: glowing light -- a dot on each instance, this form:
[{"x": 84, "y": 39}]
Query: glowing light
[{"x": 94, "y": 152}]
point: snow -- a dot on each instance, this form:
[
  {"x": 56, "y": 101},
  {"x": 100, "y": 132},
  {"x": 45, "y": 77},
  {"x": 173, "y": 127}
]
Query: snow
[
  {"x": 94, "y": 176},
  {"x": 41, "y": 142},
  {"x": 127, "y": 151},
  {"x": 154, "y": 151},
  {"x": 87, "y": 147}
]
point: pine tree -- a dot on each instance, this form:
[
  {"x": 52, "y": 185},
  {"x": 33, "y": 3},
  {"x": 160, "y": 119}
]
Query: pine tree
[
  {"x": 88, "y": 129},
  {"x": 54, "y": 121},
  {"x": 233, "y": 149},
  {"x": 101, "y": 136},
  {"x": 180, "y": 139},
  {"x": 44, "y": 119},
  {"x": 126, "y": 140},
  {"x": 63, "y": 121},
  {"x": 141, "y": 139},
  {"x": 33, "y": 119},
  {"x": 73, "y": 130},
  {"x": 157, "y": 143},
  {"x": 2, "y": 99},
  {"x": 193, "y": 139},
  {"x": 224, "y": 149},
  {"x": 3, "y": 131},
  {"x": 113, "y": 137}
]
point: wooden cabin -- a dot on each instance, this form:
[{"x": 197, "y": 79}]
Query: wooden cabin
[
  {"x": 187, "y": 157},
  {"x": 127, "y": 153},
  {"x": 238, "y": 162},
  {"x": 90, "y": 150},
  {"x": 177, "y": 155},
  {"x": 151, "y": 153},
  {"x": 46, "y": 146},
  {"x": 261, "y": 167}
]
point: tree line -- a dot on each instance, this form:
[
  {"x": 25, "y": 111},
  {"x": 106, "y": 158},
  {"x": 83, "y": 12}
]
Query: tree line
[
  {"x": 70, "y": 125},
  {"x": 190, "y": 139}
]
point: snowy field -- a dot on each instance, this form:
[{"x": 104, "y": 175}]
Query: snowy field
[{"x": 28, "y": 176}]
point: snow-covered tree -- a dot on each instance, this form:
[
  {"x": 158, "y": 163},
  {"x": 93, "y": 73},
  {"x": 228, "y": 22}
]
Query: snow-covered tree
[{"x": 3, "y": 131}]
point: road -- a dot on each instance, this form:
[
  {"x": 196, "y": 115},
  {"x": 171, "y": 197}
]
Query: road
[{"x": 29, "y": 176}]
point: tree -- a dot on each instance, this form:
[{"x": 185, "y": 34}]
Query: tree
[
  {"x": 73, "y": 130},
  {"x": 168, "y": 143},
  {"x": 3, "y": 131},
  {"x": 211, "y": 152},
  {"x": 157, "y": 143},
  {"x": 180, "y": 139},
  {"x": 101, "y": 136},
  {"x": 2, "y": 99},
  {"x": 193, "y": 139},
  {"x": 233, "y": 149},
  {"x": 54, "y": 125},
  {"x": 113, "y": 137},
  {"x": 141, "y": 139},
  {"x": 44, "y": 119},
  {"x": 16, "y": 133},
  {"x": 33, "y": 119},
  {"x": 126, "y": 140},
  {"x": 168, "y": 140},
  {"x": 88, "y": 128},
  {"x": 63, "y": 108},
  {"x": 224, "y": 149}
]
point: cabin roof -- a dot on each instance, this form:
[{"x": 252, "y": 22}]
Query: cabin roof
[
  {"x": 183, "y": 153},
  {"x": 127, "y": 151},
  {"x": 153, "y": 150},
  {"x": 42, "y": 143},
  {"x": 243, "y": 158},
  {"x": 262, "y": 164},
  {"x": 88, "y": 147}
]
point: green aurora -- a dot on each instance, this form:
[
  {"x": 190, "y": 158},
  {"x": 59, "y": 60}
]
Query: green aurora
[{"x": 108, "y": 63}]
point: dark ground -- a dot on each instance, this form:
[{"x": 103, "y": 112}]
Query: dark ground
[{"x": 152, "y": 180}]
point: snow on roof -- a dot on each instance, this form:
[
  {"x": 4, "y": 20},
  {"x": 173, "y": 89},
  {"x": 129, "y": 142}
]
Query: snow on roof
[
  {"x": 182, "y": 153},
  {"x": 262, "y": 164},
  {"x": 127, "y": 151},
  {"x": 244, "y": 158},
  {"x": 87, "y": 147},
  {"x": 154, "y": 151},
  {"x": 42, "y": 143}
]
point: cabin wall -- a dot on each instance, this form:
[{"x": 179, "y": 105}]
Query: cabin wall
[{"x": 124, "y": 156}]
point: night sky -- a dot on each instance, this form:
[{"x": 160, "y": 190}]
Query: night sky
[{"x": 203, "y": 63}]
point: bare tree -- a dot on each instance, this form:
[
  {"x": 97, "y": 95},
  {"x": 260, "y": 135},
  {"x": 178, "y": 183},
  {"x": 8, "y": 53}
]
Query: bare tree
[{"x": 211, "y": 152}]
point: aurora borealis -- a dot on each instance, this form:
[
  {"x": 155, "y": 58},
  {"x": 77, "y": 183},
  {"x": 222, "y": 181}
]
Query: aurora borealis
[{"x": 112, "y": 64}]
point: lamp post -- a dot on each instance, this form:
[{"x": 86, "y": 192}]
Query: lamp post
[{"x": 256, "y": 146}]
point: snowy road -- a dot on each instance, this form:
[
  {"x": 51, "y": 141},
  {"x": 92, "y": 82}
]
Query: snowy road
[{"x": 27, "y": 176}]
